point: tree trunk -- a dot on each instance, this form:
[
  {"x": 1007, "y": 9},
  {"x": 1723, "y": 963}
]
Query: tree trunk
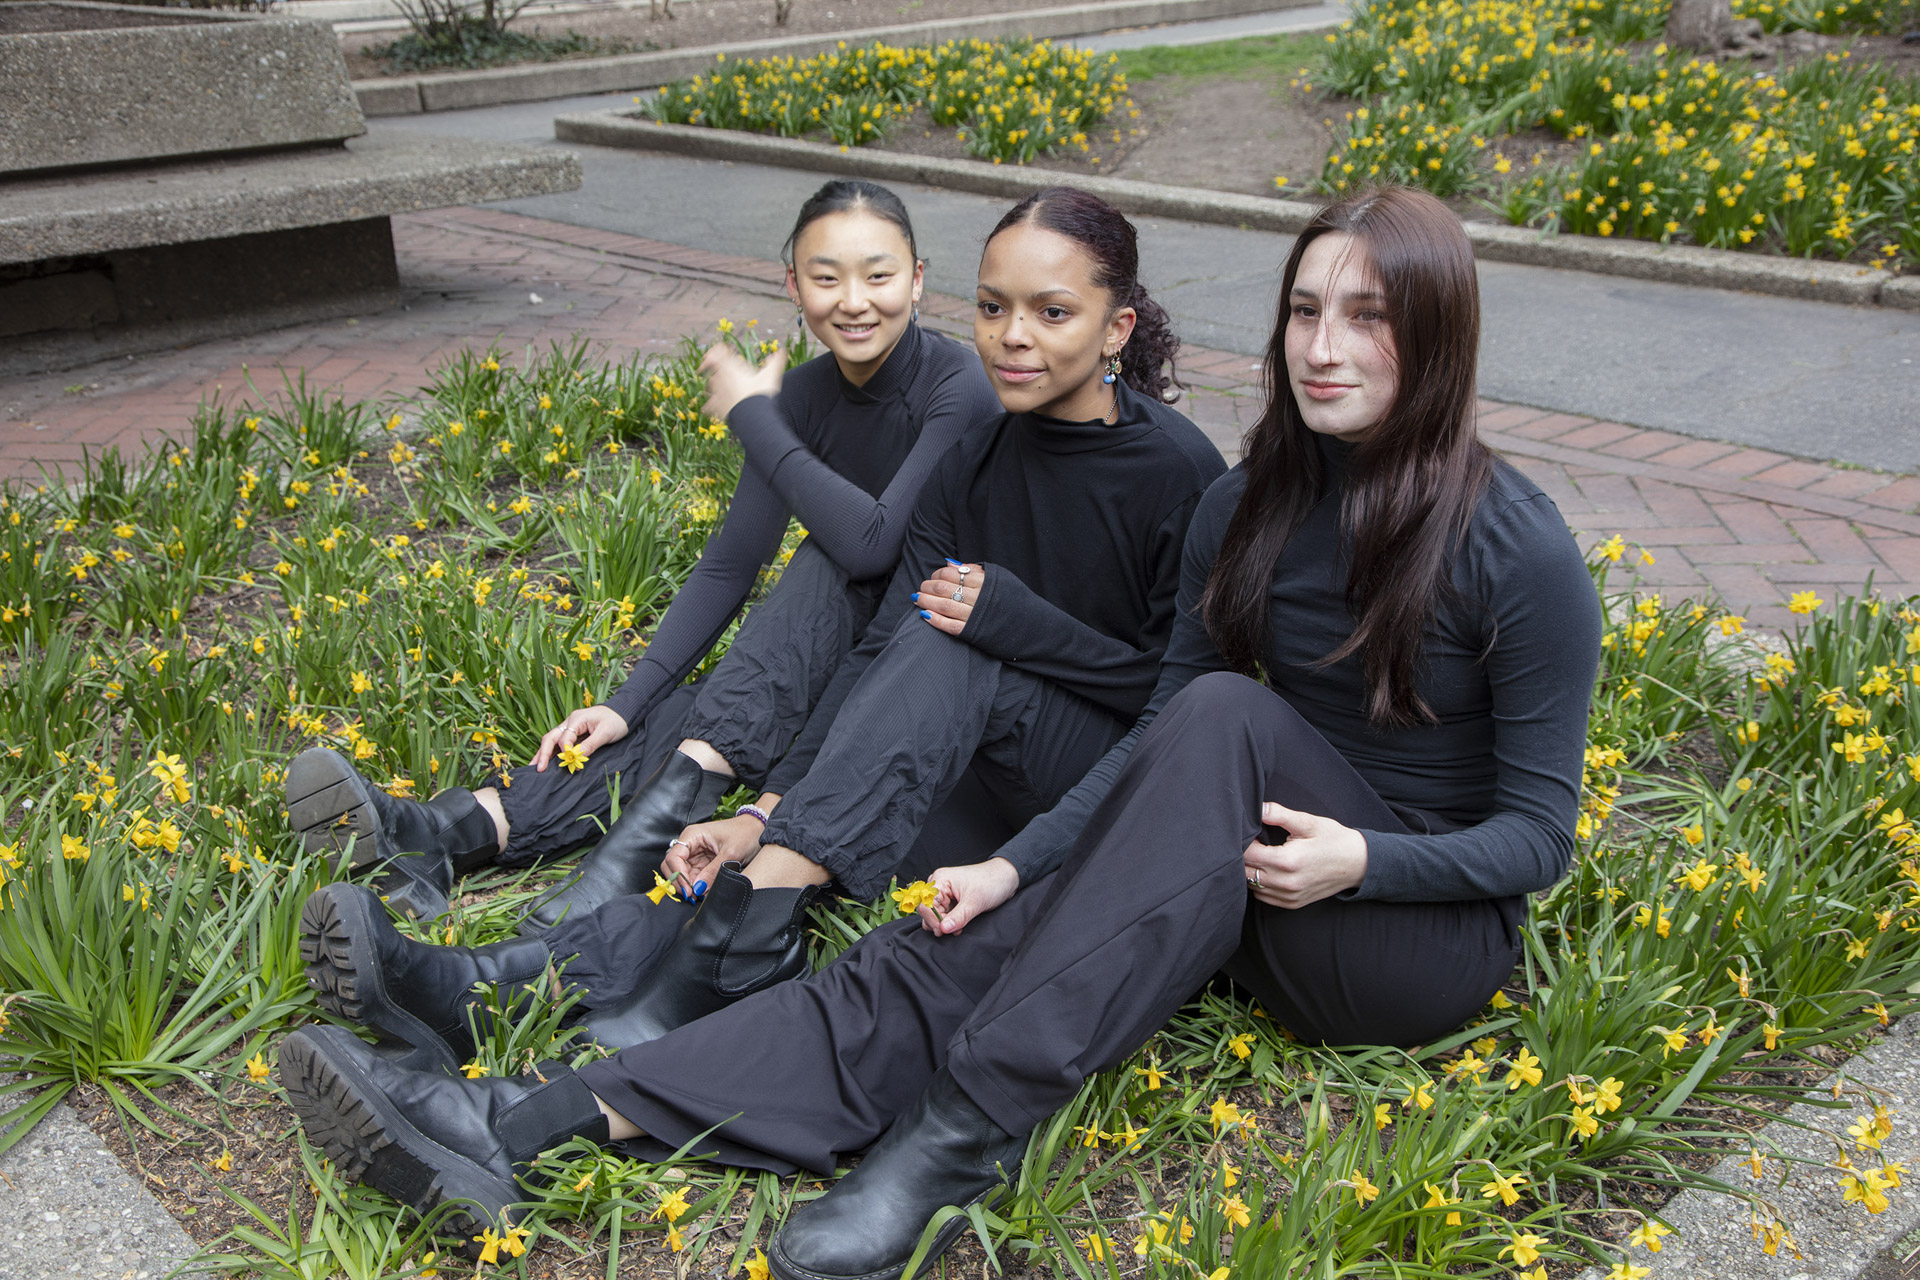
[{"x": 1703, "y": 26}]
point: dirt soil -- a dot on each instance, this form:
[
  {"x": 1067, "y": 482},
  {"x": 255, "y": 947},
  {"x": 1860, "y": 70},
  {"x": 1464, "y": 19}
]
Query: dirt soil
[
  {"x": 1221, "y": 133},
  {"x": 703, "y": 22}
]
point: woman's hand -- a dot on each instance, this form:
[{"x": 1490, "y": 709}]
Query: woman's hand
[
  {"x": 731, "y": 379},
  {"x": 704, "y": 845},
  {"x": 967, "y": 893},
  {"x": 589, "y": 728},
  {"x": 946, "y": 599},
  {"x": 1319, "y": 859}
]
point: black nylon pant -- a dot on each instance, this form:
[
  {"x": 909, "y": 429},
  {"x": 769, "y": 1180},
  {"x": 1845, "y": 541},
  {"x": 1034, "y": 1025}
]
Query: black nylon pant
[
  {"x": 749, "y": 708},
  {"x": 928, "y": 708},
  {"x": 1077, "y": 971}
]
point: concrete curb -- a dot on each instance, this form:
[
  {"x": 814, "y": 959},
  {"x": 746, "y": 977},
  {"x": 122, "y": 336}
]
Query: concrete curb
[
  {"x": 1714, "y": 1233},
  {"x": 1494, "y": 242},
  {"x": 407, "y": 95},
  {"x": 71, "y": 1208}
]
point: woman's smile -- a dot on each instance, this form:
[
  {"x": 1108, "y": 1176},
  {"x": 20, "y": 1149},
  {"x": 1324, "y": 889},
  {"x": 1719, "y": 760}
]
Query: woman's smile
[{"x": 1016, "y": 373}]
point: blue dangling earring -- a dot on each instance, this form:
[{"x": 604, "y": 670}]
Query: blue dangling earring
[{"x": 1113, "y": 369}]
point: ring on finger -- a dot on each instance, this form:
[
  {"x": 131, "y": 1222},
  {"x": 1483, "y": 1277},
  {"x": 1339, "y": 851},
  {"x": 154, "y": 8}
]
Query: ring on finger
[
  {"x": 1255, "y": 882},
  {"x": 959, "y": 595}
]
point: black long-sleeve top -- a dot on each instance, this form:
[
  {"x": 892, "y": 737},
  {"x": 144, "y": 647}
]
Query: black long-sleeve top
[
  {"x": 1079, "y": 526},
  {"x": 1492, "y": 790},
  {"x": 848, "y": 461}
]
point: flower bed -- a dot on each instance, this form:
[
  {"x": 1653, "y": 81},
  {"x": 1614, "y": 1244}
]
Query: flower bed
[
  {"x": 430, "y": 585},
  {"x": 1818, "y": 158},
  {"x": 1009, "y": 102}
]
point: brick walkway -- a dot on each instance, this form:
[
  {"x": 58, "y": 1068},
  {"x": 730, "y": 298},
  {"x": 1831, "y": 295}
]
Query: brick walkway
[{"x": 1752, "y": 525}]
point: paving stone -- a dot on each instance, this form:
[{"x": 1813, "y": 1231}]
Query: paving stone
[{"x": 468, "y": 274}]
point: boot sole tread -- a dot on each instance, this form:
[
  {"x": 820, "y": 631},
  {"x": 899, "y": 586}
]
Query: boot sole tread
[
  {"x": 369, "y": 1141},
  {"x": 329, "y": 806},
  {"x": 345, "y": 976}
]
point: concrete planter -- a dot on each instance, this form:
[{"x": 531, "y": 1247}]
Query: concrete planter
[
  {"x": 95, "y": 84},
  {"x": 170, "y": 176}
]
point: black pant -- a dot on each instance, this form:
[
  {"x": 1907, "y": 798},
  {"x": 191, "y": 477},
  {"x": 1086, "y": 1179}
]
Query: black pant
[
  {"x": 1080, "y": 969},
  {"x": 928, "y": 708},
  {"x": 749, "y": 708}
]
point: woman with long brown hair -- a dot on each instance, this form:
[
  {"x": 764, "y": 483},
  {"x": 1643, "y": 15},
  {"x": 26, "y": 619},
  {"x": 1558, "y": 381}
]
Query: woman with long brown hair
[{"x": 1363, "y": 752}]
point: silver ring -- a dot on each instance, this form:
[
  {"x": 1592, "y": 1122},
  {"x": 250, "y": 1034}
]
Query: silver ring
[
  {"x": 1256, "y": 878},
  {"x": 678, "y": 841},
  {"x": 963, "y": 570},
  {"x": 959, "y": 594}
]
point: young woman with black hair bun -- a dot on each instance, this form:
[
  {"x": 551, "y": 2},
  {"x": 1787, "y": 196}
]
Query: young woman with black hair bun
[
  {"x": 843, "y": 443},
  {"x": 1021, "y": 636}
]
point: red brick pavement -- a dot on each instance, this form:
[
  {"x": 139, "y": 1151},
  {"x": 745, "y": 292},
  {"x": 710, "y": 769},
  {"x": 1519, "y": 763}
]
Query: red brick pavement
[{"x": 1750, "y": 524}]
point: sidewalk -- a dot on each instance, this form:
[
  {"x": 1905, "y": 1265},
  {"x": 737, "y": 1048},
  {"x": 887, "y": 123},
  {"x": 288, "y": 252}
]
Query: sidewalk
[{"x": 1750, "y": 524}]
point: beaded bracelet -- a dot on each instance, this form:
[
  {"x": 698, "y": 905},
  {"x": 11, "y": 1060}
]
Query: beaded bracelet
[{"x": 753, "y": 811}]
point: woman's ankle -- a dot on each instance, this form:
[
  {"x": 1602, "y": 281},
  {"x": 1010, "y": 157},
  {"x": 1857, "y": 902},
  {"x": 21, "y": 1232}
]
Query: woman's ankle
[
  {"x": 489, "y": 800},
  {"x": 619, "y": 1128},
  {"x": 777, "y": 867},
  {"x": 705, "y": 756}
]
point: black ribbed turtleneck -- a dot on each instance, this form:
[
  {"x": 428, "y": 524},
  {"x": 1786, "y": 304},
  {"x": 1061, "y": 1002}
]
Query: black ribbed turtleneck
[
  {"x": 1491, "y": 791},
  {"x": 848, "y": 461},
  {"x": 1079, "y": 525}
]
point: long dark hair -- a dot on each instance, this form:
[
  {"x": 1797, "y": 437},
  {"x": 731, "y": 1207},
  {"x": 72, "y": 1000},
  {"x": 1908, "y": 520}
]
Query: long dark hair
[
  {"x": 843, "y": 194},
  {"x": 1146, "y": 362},
  {"x": 1414, "y": 479}
]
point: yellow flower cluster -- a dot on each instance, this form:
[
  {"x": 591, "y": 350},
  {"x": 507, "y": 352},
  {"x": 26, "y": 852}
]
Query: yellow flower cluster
[
  {"x": 1009, "y": 101},
  {"x": 1814, "y": 158}
]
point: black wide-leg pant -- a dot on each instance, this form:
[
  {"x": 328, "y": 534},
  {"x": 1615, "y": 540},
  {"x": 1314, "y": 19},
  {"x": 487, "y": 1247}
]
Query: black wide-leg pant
[
  {"x": 930, "y": 708},
  {"x": 749, "y": 708},
  {"x": 1077, "y": 971},
  {"x": 937, "y": 758}
]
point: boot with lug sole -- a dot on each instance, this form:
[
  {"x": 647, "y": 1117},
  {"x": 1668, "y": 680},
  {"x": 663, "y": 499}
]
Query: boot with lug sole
[
  {"x": 943, "y": 1151},
  {"x": 334, "y": 807},
  {"x": 678, "y": 794},
  {"x": 739, "y": 941},
  {"x": 365, "y": 971},
  {"x": 426, "y": 1139}
]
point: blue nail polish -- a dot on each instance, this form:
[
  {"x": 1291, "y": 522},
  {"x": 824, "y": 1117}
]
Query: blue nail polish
[
  {"x": 925, "y": 614},
  {"x": 915, "y": 597},
  {"x": 700, "y": 888},
  {"x": 953, "y": 562}
]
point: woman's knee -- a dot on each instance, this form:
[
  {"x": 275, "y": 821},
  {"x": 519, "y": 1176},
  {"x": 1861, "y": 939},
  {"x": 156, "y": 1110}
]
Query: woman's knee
[{"x": 1226, "y": 699}]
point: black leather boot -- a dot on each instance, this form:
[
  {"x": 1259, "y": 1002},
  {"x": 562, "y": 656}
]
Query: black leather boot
[
  {"x": 425, "y": 1139},
  {"x": 943, "y": 1151},
  {"x": 739, "y": 941},
  {"x": 365, "y": 971},
  {"x": 329, "y": 803},
  {"x": 678, "y": 794}
]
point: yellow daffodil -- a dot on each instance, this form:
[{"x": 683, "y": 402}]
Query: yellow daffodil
[
  {"x": 921, "y": 893},
  {"x": 672, "y": 1206},
  {"x": 1505, "y": 1188},
  {"x": 1649, "y": 1234}
]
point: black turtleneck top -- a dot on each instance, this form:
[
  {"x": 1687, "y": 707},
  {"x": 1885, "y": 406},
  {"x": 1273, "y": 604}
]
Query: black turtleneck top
[
  {"x": 1079, "y": 526},
  {"x": 1492, "y": 790},
  {"x": 847, "y": 461}
]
